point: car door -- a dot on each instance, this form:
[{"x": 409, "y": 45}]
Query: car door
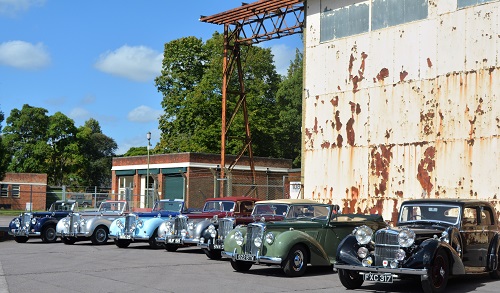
[{"x": 473, "y": 239}]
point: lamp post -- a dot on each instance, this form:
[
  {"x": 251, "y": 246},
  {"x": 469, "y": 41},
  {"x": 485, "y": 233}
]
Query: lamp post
[{"x": 147, "y": 172}]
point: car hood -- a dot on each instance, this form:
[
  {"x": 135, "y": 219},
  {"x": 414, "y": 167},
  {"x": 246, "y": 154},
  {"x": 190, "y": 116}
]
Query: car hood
[{"x": 294, "y": 224}]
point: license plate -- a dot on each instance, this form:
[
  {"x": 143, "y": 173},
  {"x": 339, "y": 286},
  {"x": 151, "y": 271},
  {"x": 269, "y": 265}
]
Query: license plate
[
  {"x": 219, "y": 246},
  {"x": 174, "y": 240},
  {"x": 124, "y": 237},
  {"x": 245, "y": 257},
  {"x": 379, "y": 278}
]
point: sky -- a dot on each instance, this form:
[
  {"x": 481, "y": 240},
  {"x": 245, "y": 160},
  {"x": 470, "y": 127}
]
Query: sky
[{"x": 98, "y": 58}]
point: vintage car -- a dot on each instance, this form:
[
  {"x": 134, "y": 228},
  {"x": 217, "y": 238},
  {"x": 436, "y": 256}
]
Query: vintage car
[
  {"x": 93, "y": 225},
  {"x": 433, "y": 240},
  {"x": 41, "y": 224},
  {"x": 212, "y": 239},
  {"x": 144, "y": 226},
  {"x": 187, "y": 230},
  {"x": 308, "y": 235}
]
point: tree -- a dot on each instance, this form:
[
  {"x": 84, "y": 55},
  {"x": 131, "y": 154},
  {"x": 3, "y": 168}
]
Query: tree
[
  {"x": 289, "y": 101},
  {"x": 191, "y": 82},
  {"x": 136, "y": 151},
  {"x": 97, "y": 151},
  {"x": 3, "y": 153}
]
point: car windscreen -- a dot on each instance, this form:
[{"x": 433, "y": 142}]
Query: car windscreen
[
  {"x": 429, "y": 212},
  {"x": 270, "y": 209},
  {"x": 219, "y": 205},
  {"x": 61, "y": 206},
  {"x": 308, "y": 211},
  {"x": 111, "y": 206},
  {"x": 171, "y": 206}
]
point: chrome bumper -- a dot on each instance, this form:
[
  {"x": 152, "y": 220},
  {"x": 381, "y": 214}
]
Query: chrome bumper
[
  {"x": 25, "y": 233},
  {"x": 397, "y": 271},
  {"x": 259, "y": 259}
]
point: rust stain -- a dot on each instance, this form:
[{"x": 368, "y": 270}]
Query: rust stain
[
  {"x": 350, "y": 132},
  {"x": 355, "y": 108},
  {"x": 380, "y": 163},
  {"x": 325, "y": 144},
  {"x": 351, "y": 64},
  {"x": 384, "y": 72},
  {"x": 429, "y": 62},
  {"x": 338, "y": 124},
  {"x": 335, "y": 101},
  {"x": 402, "y": 75},
  {"x": 388, "y": 133},
  {"x": 427, "y": 120},
  {"x": 315, "y": 125},
  {"x": 308, "y": 133},
  {"x": 425, "y": 167},
  {"x": 355, "y": 84},
  {"x": 339, "y": 140}
]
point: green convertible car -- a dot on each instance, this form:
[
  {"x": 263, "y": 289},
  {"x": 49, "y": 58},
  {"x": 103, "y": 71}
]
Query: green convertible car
[{"x": 309, "y": 235}]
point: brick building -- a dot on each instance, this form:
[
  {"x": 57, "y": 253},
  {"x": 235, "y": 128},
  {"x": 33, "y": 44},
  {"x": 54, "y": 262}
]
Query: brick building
[
  {"x": 196, "y": 176},
  {"x": 18, "y": 190}
]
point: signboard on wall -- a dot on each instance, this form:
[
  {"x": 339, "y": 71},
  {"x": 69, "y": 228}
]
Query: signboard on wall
[{"x": 295, "y": 187}]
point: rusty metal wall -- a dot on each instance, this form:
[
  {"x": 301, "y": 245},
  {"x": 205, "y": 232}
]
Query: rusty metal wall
[{"x": 405, "y": 112}]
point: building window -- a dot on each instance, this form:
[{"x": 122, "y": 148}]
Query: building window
[
  {"x": 16, "y": 190},
  {"x": 386, "y": 13},
  {"x": 4, "y": 190},
  {"x": 465, "y": 3},
  {"x": 339, "y": 19}
]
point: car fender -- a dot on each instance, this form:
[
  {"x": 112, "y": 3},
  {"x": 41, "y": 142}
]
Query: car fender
[
  {"x": 150, "y": 226},
  {"x": 41, "y": 223},
  {"x": 425, "y": 253},
  {"x": 12, "y": 224},
  {"x": 60, "y": 228},
  {"x": 95, "y": 222},
  {"x": 201, "y": 227},
  {"x": 113, "y": 228},
  {"x": 230, "y": 244},
  {"x": 284, "y": 242},
  {"x": 493, "y": 252},
  {"x": 347, "y": 251}
]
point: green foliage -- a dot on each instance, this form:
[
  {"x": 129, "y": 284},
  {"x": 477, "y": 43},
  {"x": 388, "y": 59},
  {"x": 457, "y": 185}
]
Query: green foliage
[
  {"x": 38, "y": 143},
  {"x": 136, "y": 151},
  {"x": 3, "y": 153},
  {"x": 191, "y": 83}
]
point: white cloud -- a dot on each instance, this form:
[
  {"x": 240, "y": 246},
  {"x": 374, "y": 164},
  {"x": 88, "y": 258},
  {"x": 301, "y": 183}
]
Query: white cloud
[
  {"x": 136, "y": 63},
  {"x": 80, "y": 114},
  {"x": 144, "y": 114},
  {"x": 23, "y": 55},
  {"x": 11, "y": 7},
  {"x": 283, "y": 55}
]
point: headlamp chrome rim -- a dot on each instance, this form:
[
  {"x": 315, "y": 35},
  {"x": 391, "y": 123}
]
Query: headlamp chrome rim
[
  {"x": 406, "y": 237},
  {"x": 363, "y": 234}
]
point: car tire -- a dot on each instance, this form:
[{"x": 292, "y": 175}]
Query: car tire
[
  {"x": 295, "y": 264},
  {"x": 241, "y": 266},
  {"x": 153, "y": 243},
  {"x": 171, "y": 247},
  {"x": 122, "y": 243},
  {"x": 438, "y": 273},
  {"x": 67, "y": 240},
  {"x": 49, "y": 234},
  {"x": 213, "y": 254},
  {"x": 350, "y": 279},
  {"x": 100, "y": 235},
  {"x": 21, "y": 239}
]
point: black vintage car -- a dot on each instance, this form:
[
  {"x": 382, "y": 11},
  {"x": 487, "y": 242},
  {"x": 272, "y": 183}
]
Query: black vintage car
[{"x": 433, "y": 240}]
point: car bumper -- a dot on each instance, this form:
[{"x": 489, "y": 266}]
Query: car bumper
[
  {"x": 182, "y": 241},
  {"x": 129, "y": 237},
  {"x": 23, "y": 233},
  {"x": 218, "y": 245},
  {"x": 258, "y": 259},
  {"x": 397, "y": 271}
]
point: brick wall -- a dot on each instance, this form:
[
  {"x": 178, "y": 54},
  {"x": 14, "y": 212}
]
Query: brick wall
[{"x": 32, "y": 188}]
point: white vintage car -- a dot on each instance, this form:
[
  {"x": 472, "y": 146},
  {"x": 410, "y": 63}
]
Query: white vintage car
[{"x": 93, "y": 225}]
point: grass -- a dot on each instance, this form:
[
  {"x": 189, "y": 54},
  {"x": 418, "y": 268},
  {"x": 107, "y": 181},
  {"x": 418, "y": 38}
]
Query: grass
[{"x": 10, "y": 212}]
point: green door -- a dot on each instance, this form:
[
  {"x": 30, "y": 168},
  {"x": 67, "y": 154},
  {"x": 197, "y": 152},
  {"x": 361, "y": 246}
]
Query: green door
[{"x": 173, "y": 186}]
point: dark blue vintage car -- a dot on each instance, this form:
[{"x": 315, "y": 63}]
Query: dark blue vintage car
[
  {"x": 41, "y": 224},
  {"x": 433, "y": 240}
]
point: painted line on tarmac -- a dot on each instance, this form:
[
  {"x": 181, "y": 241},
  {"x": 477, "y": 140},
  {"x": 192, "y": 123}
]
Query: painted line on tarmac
[{"x": 3, "y": 281}]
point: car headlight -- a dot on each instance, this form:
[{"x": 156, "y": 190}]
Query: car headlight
[
  {"x": 362, "y": 252},
  {"x": 363, "y": 234},
  {"x": 212, "y": 231},
  {"x": 257, "y": 242},
  {"x": 184, "y": 232},
  {"x": 75, "y": 224},
  {"x": 140, "y": 223},
  {"x": 33, "y": 221},
  {"x": 269, "y": 238},
  {"x": 190, "y": 225},
  {"x": 168, "y": 228},
  {"x": 132, "y": 227},
  {"x": 238, "y": 237},
  {"x": 400, "y": 255},
  {"x": 119, "y": 224},
  {"x": 17, "y": 222},
  {"x": 83, "y": 222},
  {"x": 406, "y": 237}
]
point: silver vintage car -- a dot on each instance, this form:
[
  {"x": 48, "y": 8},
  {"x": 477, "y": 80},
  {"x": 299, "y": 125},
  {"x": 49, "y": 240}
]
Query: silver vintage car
[{"x": 93, "y": 225}]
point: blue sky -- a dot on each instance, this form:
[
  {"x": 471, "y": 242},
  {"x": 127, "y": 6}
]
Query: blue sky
[{"x": 98, "y": 58}]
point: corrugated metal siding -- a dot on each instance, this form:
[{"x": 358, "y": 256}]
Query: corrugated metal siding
[{"x": 404, "y": 112}]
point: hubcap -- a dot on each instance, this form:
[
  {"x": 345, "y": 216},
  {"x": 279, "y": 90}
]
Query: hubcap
[
  {"x": 101, "y": 235},
  {"x": 298, "y": 260}
]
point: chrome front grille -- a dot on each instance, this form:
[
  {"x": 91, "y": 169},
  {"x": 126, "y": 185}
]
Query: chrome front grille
[
  {"x": 253, "y": 231},
  {"x": 180, "y": 223},
  {"x": 129, "y": 223},
  {"x": 74, "y": 221},
  {"x": 26, "y": 220},
  {"x": 386, "y": 245},
  {"x": 225, "y": 225}
]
